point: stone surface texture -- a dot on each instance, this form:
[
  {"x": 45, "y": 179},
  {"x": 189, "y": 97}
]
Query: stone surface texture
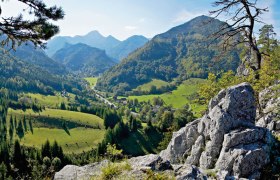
[{"x": 269, "y": 113}]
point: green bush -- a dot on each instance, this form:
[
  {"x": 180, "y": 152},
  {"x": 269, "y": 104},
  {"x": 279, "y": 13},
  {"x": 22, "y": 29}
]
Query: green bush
[
  {"x": 47, "y": 161},
  {"x": 113, "y": 170},
  {"x": 56, "y": 163}
]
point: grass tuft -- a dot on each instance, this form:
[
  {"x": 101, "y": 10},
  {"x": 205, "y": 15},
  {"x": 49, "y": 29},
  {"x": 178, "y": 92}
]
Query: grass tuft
[{"x": 113, "y": 170}]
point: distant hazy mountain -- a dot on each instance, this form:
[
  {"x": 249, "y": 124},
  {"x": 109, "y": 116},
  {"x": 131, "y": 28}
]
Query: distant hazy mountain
[
  {"x": 113, "y": 47},
  {"x": 38, "y": 57},
  {"x": 182, "y": 52},
  {"x": 55, "y": 44},
  {"x": 127, "y": 46},
  {"x": 94, "y": 39},
  {"x": 83, "y": 59}
]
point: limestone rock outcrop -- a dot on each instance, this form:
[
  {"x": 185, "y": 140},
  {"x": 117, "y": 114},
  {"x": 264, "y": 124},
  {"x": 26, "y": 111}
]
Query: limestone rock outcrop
[
  {"x": 226, "y": 138},
  {"x": 269, "y": 115},
  {"x": 248, "y": 63}
]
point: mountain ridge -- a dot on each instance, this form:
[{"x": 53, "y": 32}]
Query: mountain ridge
[
  {"x": 23, "y": 76},
  {"x": 181, "y": 52},
  {"x": 83, "y": 59},
  {"x": 36, "y": 56},
  {"x": 115, "y": 48},
  {"x": 127, "y": 46}
]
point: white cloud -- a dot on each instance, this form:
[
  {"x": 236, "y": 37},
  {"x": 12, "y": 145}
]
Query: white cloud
[{"x": 130, "y": 28}]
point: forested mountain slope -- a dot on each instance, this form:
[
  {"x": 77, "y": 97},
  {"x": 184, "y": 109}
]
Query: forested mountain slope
[
  {"x": 20, "y": 76},
  {"x": 83, "y": 59},
  {"x": 184, "y": 51},
  {"x": 28, "y": 53}
]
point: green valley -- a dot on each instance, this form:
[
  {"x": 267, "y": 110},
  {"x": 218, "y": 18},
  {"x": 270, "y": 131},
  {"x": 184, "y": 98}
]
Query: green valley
[{"x": 162, "y": 97}]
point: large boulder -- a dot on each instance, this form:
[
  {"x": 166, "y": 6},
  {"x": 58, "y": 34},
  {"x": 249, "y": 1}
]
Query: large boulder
[
  {"x": 244, "y": 152},
  {"x": 225, "y": 138},
  {"x": 71, "y": 172},
  {"x": 181, "y": 143},
  {"x": 151, "y": 161}
]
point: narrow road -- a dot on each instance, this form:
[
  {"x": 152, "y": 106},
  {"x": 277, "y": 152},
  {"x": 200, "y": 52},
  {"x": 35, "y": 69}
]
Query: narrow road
[{"x": 106, "y": 101}]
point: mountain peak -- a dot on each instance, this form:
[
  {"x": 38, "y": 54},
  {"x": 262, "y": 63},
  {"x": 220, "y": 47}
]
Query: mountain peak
[
  {"x": 201, "y": 19},
  {"x": 94, "y": 33},
  {"x": 136, "y": 37},
  {"x": 114, "y": 47},
  {"x": 83, "y": 59},
  {"x": 110, "y": 37},
  {"x": 198, "y": 24}
]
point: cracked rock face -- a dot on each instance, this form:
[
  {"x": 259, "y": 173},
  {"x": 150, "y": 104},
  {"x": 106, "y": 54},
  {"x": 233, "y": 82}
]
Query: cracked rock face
[
  {"x": 226, "y": 138},
  {"x": 269, "y": 100}
]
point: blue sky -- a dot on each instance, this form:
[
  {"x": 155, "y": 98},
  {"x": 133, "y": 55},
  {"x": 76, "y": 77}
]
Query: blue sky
[{"x": 123, "y": 18}]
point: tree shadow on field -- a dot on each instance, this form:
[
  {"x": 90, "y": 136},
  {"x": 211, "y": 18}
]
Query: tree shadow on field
[
  {"x": 20, "y": 134},
  {"x": 64, "y": 126},
  {"x": 67, "y": 131}
]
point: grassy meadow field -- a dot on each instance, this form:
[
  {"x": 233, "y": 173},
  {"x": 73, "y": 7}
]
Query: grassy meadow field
[
  {"x": 69, "y": 116},
  {"x": 91, "y": 80},
  {"x": 77, "y": 141},
  {"x": 155, "y": 82},
  {"x": 180, "y": 96},
  {"x": 83, "y": 132},
  {"x": 49, "y": 100}
]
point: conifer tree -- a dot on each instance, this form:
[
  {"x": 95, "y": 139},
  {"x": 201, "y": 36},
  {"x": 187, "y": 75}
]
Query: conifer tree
[
  {"x": 37, "y": 28},
  {"x": 46, "y": 149},
  {"x": 3, "y": 171},
  {"x": 19, "y": 158},
  {"x": 267, "y": 41},
  {"x": 56, "y": 151}
]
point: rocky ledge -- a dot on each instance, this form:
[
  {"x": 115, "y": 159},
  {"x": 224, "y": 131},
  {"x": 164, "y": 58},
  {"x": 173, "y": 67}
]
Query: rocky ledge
[
  {"x": 225, "y": 142},
  {"x": 269, "y": 113}
]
